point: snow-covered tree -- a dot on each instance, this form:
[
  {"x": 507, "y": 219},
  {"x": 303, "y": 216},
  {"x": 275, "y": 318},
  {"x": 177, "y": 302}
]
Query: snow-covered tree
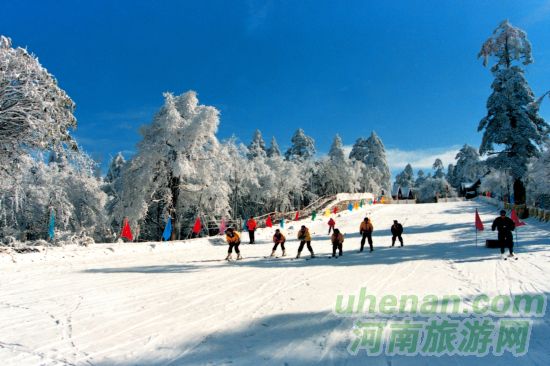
[
  {"x": 420, "y": 178},
  {"x": 176, "y": 170},
  {"x": 336, "y": 152},
  {"x": 376, "y": 174},
  {"x": 433, "y": 188},
  {"x": 438, "y": 168},
  {"x": 273, "y": 149},
  {"x": 113, "y": 183},
  {"x": 35, "y": 113},
  {"x": 257, "y": 146},
  {"x": 512, "y": 121},
  {"x": 406, "y": 177},
  {"x": 303, "y": 147},
  {"x": 468, "y": 168},
  {"x": 539, "y": 179}
]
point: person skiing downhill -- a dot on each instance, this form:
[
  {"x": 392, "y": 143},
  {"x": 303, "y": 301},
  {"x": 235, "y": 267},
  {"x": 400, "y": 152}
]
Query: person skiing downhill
[
  {"x": 331, "y": 224},
  {"x": 233, "y": 239},
  {"x": 251, "y": 225},
  {"x": 337, "y": 239},
  {"x": 278, "y": 238},
  {"x": 305, "y": 238},
  {"x": 396, "y": 231},
  {"x": 505, "y": 226},
  {"x": 366, "y": 229}
]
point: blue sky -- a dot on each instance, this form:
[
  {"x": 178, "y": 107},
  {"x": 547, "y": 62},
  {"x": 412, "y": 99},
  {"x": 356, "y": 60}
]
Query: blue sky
[{"x": 406, "y": 69}]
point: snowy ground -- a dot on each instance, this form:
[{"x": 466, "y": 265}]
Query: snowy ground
[{"x": 178, "y": 304}]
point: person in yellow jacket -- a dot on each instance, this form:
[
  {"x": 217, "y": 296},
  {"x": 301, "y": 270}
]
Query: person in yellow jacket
[
  {"x": 278, "y": 238},
  {"x": 337, "y": 239},
  {"x": 365, "y": 230},
  {"x": 234, "y": 240},
  {"x": 305, "y": 238}
]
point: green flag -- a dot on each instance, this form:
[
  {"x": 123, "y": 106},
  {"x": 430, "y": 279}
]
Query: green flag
[{"x": 313, "y": 215}]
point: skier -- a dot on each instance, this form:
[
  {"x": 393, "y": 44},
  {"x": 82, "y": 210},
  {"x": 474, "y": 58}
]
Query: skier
[
  {"x": 233, "y": 239},
  {"x": 278, "y": 238},
  {"x": 337, "y": 240},
  {"x": 305, "y": 238},
  {"x": 365, "y": 229},
  {"x": 396, "y": 231},
  {"x": 505, "y": 226},
  {"x": 251, "y": 226},
  {"x": 331, "y": 224}
]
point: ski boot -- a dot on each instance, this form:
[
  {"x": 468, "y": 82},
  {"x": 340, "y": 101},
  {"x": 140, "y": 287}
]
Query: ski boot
[
  {"x": 298, "y": 255},
  {"x": 272, "y": 253},
  {"x": 239, "y": 257},
  {"x": 229, "y": 257},
  {"x": 312, "y": 255},
  {"x": 284, "y": 253}
]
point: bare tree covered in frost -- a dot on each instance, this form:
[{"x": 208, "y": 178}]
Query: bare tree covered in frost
[
  {"x": 539, "y": 179},
  {"x": 512, "y": 122},
  {"x": 176, "y": 170}
]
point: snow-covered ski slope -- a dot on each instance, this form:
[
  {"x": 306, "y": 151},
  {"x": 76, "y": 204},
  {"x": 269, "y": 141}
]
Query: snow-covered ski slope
[{"x": 178, "y": 303}]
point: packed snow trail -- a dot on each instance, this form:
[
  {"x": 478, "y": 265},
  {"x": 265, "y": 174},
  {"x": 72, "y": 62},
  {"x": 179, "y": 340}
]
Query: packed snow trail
[{"x": 179, "y": 303}]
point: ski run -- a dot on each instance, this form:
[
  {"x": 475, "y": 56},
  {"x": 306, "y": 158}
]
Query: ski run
[{"x": 181, "y": 303}]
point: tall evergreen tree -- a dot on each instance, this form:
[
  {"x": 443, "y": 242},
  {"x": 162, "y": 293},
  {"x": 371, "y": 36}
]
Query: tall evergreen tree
[
  {"x": 512, "y": 119},
  {"x": 376, "y": 159},
  {"x": 406, "y": 177},
  {"x": 257, "y": 146},
  {"x": 336, "y": 152},
  {"x": 303, "y": 147},
  {"x": 273, "y": 149}
]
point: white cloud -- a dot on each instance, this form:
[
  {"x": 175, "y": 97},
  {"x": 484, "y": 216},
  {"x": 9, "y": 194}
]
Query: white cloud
[{"x": 421, "y": 158}]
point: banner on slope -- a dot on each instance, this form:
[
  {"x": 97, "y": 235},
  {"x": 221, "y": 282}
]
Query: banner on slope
[
  {"x": 197, "y": 226},
  {"x": 167, "y": 229}
]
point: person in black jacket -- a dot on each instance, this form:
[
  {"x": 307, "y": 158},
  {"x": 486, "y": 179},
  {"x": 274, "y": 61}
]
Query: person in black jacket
[
  {"x": 505, "y": 226},
  {"x": 396, "y": 231}
]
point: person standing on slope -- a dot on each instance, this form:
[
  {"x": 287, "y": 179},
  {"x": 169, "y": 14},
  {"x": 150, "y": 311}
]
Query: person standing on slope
[
  {"x": 365, "y": 229},
  {"x": 251, "y": 226},
  {"x": 233, "y": 239},
  {"x": 305, "y": 238},
  {"x": 278, "y": 238},
  {"x": 337, "y": 239},
  {"x": 396, "y": 231},
  {"x": 505, "y": 226},
  {"x": 331, "y": 224}
]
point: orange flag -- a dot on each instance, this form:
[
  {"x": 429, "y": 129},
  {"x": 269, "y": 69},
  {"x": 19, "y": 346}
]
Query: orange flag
[{"x": 516, "y": 219}]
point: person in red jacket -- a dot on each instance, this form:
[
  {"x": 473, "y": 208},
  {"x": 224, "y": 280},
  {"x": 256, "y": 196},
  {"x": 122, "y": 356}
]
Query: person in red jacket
[
  {"x": 331, "y": 224},
  {"x": 251, "y": 226}
]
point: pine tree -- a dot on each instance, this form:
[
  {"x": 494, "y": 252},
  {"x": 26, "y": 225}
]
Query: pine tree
[
  {"x": 273, "y": 149},
  {"x": 406, "y": 177},
  {"x": 512, "y": 119},
  {"x": 469, "y": 167},
  {"x": 257, "y": 146},
  {"x": 336, "y": 152},
  {"x": 303, "y": 147},
  {"x": 438, "y": 168}
]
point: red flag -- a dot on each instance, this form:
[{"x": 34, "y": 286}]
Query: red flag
[
  {"x": 515, "y": 219},
  {"x": 126, "y": 231},
  {"x": 335, "y": 209},
  {"x": 297, "y": 216},
  {"x": 197, "y": 226},
  {"x": 268, "y": 222},
  {"x": 479, "y": 224}
]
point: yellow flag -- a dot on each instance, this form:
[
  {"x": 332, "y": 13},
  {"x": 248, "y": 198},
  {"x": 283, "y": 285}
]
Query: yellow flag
[{"x": 327, "y": 212}]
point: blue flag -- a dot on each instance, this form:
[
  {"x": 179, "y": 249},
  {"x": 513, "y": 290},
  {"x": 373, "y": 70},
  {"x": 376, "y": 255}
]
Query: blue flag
[
  {"x": 350, "y": 207},
  {"x": 51, "y": 230},
  {"x": 167, "y": 229},
  {"x": 282, "y": 223}
]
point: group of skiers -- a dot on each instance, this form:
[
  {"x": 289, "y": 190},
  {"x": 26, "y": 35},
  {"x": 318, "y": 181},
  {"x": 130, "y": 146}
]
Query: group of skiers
[
  {"x": 337, "y": 238},
  {"x": 503, "y": 224}
]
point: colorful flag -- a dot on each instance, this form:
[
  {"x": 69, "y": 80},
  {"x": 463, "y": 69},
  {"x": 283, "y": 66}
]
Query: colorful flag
[
  {"x": 356, "y": 205},
  {"x": 126, "y": 231},
  {"x": 197, "y": 226},
  {"x": 268, "y": 222},
  {"x": 516, "y": 219},
  {"x": 361, "y": 203},
  {"x": 350, "y": 207},
  {"x": 51, "y": 229},
  {"x": 479, "y": 224},
  {"x": 297, "y": 217},
  {"x": 313, "y": 215},
  {"x": 282, "y": 223},
  {"x": 327, "y": 212},
  {"x": 335, "y": 210},
  {"x": 167, "y": 229}
]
